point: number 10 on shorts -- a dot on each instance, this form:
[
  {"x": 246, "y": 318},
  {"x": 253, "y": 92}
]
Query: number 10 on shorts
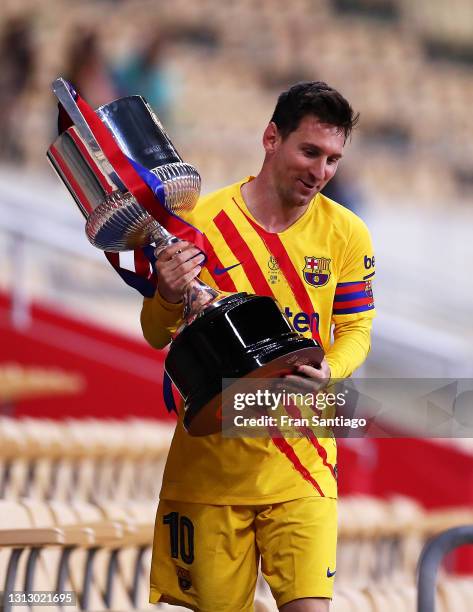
[{"x": 181, "y": 533}]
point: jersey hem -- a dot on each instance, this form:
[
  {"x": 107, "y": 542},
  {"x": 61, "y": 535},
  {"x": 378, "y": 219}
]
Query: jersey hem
[
  {"x": 239, "y": 501},
  {"x": 154, "y": 596},
  {"x": 326, "y": 593}
]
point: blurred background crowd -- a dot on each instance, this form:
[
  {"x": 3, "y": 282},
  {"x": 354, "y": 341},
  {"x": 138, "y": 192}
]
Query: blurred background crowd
[{"x": 212, "y": 70}]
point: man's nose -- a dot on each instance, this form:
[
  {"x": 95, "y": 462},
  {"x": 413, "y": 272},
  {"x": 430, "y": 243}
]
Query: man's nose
[{"x": 319, "y": 168}]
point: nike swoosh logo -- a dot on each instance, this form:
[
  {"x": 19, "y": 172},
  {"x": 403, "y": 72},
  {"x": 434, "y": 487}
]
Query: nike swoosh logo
[
  {"x": 330, "y": 574},
  {"x": 218, "y": 270}
]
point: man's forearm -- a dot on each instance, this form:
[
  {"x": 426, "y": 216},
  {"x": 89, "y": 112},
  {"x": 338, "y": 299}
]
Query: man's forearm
[
  {"x": 159, "y": 320},
  {"x": 350, "y": 348}
]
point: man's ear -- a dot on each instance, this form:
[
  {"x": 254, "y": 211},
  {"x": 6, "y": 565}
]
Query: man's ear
[{"x": 271, "y": 138}]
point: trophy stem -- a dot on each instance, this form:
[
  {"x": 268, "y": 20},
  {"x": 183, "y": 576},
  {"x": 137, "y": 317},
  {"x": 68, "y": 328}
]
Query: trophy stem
[
  {"x": 197, "y": 294},
  {"x": 161, "y": 237}
]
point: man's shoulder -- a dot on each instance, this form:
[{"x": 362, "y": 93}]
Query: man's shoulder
[
  {"x": 346, "y": 221},
  {"x": 219, "y": 196},
  {"x": 210, "y": 204}
]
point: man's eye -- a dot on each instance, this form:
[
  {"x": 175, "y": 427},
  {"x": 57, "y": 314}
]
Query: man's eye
[{"x": 332, "y": 161}]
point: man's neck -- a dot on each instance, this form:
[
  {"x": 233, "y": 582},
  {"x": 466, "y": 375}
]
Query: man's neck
[{"x": 265, "y": 204}]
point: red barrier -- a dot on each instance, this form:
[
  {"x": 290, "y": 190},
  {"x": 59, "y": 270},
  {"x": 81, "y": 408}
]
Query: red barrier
[
  {"x": 434, "y": 474},
  {"x": 123, "y": 375}
]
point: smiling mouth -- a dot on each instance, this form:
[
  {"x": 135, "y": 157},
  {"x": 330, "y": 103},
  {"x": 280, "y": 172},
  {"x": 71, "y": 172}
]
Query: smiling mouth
[{"x": 307, "y": 185}]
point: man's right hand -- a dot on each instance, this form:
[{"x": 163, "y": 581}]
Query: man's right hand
[{"x": 176, "y": 266}]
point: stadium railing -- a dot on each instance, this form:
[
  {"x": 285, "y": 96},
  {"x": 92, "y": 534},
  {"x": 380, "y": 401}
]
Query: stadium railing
[{"x": 429, "y": 563}]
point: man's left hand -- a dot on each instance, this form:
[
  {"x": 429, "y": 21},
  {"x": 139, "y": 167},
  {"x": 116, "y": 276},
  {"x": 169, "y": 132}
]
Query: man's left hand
[{"x": 308, "y": 379}]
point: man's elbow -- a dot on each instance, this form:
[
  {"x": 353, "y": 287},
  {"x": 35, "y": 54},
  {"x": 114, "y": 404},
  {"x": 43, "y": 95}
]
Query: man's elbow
[{"x": 156, "y": 336}]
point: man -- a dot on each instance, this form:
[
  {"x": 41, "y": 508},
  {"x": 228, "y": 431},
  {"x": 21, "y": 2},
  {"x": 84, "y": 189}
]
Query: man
[{"x": 227, "y": 502}]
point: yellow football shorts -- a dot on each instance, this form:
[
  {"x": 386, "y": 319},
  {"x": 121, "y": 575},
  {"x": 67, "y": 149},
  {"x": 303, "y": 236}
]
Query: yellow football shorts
[{"x": 206, "y": 557}]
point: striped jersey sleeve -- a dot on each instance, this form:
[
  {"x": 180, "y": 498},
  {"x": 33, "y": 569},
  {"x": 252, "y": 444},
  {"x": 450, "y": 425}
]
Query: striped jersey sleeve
[{"x": 354, "y": 290}]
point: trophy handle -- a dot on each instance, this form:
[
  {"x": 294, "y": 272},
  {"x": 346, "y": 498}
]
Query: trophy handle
[{"x": 63, "y": 92}]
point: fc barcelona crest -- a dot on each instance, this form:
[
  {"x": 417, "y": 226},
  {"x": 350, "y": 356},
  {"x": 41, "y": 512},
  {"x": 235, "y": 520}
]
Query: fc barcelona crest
[
  {"x": 184, "y": 578},
  {"x": 316, "y": 271}
]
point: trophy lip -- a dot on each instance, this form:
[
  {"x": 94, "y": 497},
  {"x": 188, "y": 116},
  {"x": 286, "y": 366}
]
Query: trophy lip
[{"x": 122, "y": 98}]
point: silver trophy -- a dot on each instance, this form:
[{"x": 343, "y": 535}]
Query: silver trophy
[
  {"x": 223, "y": 336},
  {"x": 115, "y": 221}
]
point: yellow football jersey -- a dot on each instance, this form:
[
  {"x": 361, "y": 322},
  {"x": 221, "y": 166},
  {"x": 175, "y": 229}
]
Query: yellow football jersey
[{"x": 320, "y": 270}]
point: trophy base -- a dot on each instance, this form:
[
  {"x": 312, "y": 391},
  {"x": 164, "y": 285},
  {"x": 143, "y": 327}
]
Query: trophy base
[
  {"x": 203, "y": 418},
  {"x": 241, "y": 336}
]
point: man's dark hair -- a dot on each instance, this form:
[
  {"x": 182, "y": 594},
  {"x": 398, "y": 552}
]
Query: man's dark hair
[{"x": 313, "y": 98}]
